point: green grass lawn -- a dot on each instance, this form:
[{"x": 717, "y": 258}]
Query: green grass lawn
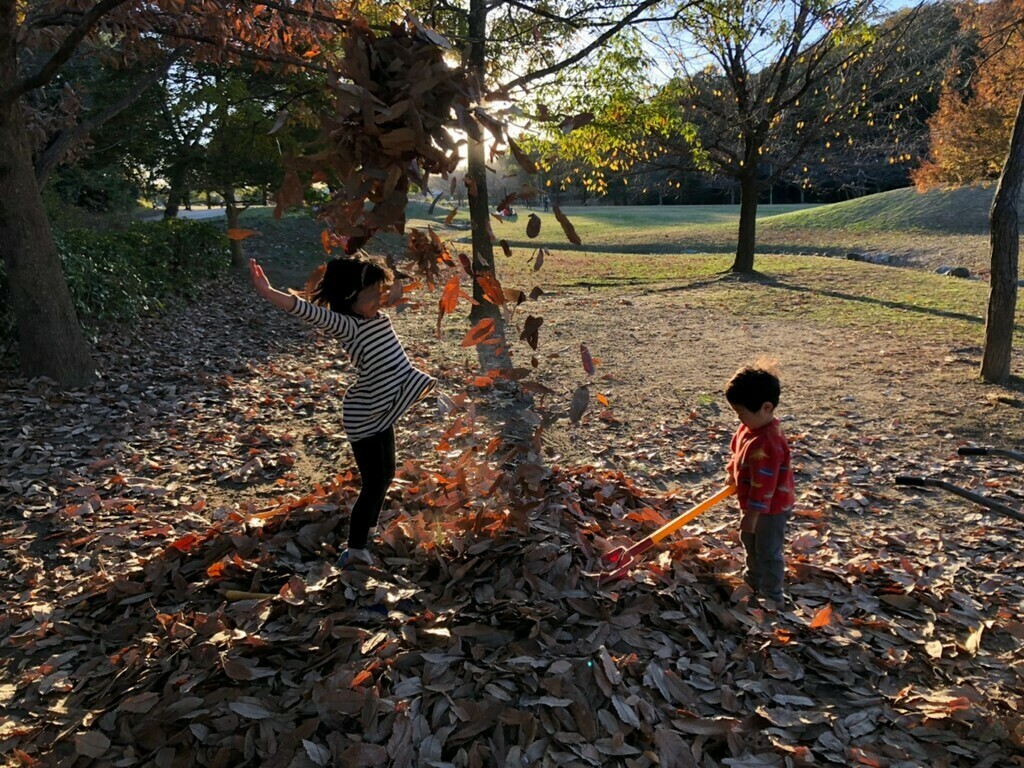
[{"x": 689, "y": 249}]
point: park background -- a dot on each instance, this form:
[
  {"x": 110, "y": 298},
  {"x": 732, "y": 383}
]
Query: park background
[{"x": 693, "y": 185}]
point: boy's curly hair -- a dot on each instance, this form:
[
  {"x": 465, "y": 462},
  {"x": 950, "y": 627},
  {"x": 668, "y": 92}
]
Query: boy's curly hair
[
  {"x": 754, "y": 385},
  {"x": 344, "y": 278}
]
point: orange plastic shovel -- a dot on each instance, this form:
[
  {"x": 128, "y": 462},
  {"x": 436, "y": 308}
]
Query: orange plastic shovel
[{"x": 623, "y": 559}]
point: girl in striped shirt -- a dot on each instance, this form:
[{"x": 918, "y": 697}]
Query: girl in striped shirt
[{"x": 386, "y": 385}]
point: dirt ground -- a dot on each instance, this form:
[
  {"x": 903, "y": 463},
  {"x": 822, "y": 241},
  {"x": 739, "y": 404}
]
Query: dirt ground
[
  {"x": 113, "y": 497},
  {"x": 858, "y": 407}
]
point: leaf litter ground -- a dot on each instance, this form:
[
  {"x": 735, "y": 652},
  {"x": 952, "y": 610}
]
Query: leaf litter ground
[{"x": 211, "y": 460}]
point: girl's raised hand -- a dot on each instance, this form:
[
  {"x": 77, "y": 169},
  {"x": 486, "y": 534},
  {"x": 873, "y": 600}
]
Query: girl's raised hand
[
  {"x": 263, "y": 287},
  {"x": 259, "y": 279}
]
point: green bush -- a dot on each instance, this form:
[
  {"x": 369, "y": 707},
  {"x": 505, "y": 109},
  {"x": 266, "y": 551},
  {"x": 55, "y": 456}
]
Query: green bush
[{"x": 118, "y": 276}]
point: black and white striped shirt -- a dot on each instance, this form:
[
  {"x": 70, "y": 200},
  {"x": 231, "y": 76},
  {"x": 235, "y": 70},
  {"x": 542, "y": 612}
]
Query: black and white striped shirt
[{"x": 386, "y": 384}]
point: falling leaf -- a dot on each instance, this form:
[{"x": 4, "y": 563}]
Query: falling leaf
[
  {"x": 506, "y": 201},
  {"x": 588, "y": 361},
  {"x": 491, "y": 288},
  {"x": 451, "y": 215},
  {"x": 522, "y": 158},
  {"x": 580, "y": 401},
  {"x": 569, "y": 124},
  {"x": 450, "y": 296},
  {"x": 479, "y": 333},
  {"x": 567, "y": 227},
  {"x": 395, "y": 293},
  {"x": 533, "y": 225},
  {"x": 282, "y": 118},
  {"x": 531, "y": 328},
  {"x": 313, "y": 282},
  {"x": 505, "y": 247},
  {"x": 240, "y": 234}
]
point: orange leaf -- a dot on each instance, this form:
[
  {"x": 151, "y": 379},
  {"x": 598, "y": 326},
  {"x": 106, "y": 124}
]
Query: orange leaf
[
  {"x": 240, "y": 234},
  {"x": 822, "y": 618},
  {"x": 216, "y": 571},
  {"x": 451, "y": 215},
  {"x": 450, "y": 297},
  {"x": 479, "y": 333},
  {"x": 363, "y": 677},
  {"x": 602, "y": 400},
  {"x": 186, "y": 542},
  {"x": 491, "y": 288}
]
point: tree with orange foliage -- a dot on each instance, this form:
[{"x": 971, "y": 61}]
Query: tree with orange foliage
[
  {"x": 971, "y": 128},
  {"x": 969, "y": 138}
]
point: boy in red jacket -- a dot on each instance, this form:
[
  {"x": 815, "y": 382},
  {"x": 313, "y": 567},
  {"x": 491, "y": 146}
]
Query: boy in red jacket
[{"x": 760, "y": 469}]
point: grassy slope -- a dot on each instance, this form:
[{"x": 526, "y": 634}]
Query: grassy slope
[
  {"x": 686, "y": 248},
  {"x": 963, "y": 210}
]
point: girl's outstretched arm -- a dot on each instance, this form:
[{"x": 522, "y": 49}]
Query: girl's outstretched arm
[{"x": 263, "y": 287}]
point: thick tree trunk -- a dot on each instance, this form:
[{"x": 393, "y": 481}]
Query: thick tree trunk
[
  {"x": 177, "y": 178},
  {"x": 491, "y": 356},
  {"x": 748, "y": 222},
  {"x": 1005, "y": 245},
  {"x": 49, "y": 336}
]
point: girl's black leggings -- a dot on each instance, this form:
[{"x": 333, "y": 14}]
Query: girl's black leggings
[{"x": 375, "y": 457}]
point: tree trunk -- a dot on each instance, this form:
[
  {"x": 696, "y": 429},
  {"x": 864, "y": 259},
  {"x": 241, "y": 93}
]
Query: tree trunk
[
  {"x": 748, "y": 222},
  {"x": 176, "y": 193},
  {"x": 491, "y": 356},
  {"x": 234, "y": 213},
  {"x": 49, "y": 336},
  {"x": 1005, "y": 245}
]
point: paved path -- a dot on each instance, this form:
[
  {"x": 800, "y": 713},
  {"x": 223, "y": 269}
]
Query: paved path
[{"x": 195, "y": 214}]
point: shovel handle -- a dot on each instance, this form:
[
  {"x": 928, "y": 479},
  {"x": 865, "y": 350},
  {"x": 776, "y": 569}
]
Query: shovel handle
[
  {"x": 989, "y": 505},
  {"x": 675, "y": 524},
  {"x": 970, "y": 450},
  {"x": 623, "y": 560},
  {"x": 917, "y": 482}
]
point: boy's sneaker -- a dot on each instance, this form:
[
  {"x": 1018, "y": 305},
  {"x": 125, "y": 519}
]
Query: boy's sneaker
[
  {"x": 352, "y": 558},
  {"x": 776, "y": 606}
]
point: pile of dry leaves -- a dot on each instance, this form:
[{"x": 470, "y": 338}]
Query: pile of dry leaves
[{"x": 170, "y": 597}]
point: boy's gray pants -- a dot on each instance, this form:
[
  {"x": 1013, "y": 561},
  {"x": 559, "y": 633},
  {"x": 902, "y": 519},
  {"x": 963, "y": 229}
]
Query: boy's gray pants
[{"x": 766, "y": 568}]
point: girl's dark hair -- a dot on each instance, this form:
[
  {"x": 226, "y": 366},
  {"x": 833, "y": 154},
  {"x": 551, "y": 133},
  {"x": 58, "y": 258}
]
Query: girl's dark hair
[
  {"x": 752, "y": 386},
  {"x": 343, "y": 280}
]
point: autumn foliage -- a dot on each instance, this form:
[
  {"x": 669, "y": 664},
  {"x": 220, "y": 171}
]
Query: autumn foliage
[
  {"x": 395, "y": 98},
  {"x": 971, "y": 129}
]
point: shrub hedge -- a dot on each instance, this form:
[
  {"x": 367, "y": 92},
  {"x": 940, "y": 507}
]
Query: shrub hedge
[{"x": 121, "y": 275}]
